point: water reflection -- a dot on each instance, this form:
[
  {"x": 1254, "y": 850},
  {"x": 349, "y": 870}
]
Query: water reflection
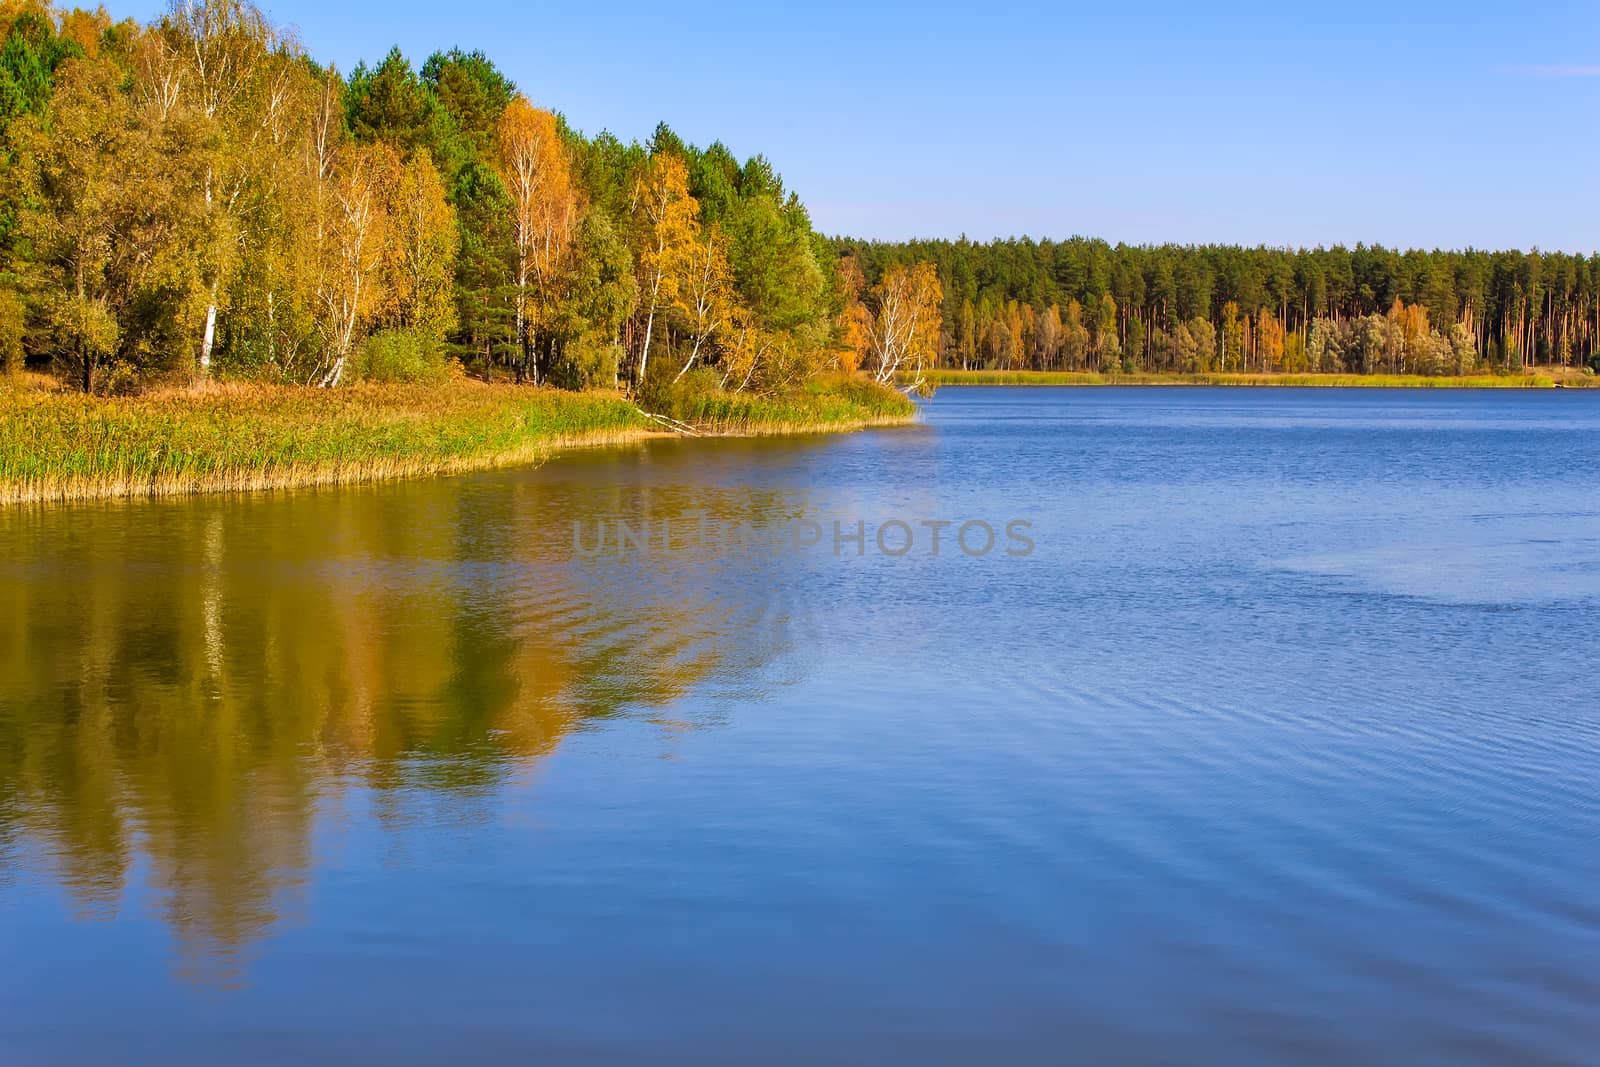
[{"x": 186, "y": 687}]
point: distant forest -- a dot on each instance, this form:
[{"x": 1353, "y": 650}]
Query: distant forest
[{"x": 1084, "y": 304}]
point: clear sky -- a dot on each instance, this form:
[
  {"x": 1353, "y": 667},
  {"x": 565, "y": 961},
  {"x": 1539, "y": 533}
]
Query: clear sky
[{"x": 1440, "y": 123}]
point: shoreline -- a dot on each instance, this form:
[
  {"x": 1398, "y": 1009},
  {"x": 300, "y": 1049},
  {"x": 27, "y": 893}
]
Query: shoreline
[
  {"x": 63, "y": 448},
  {"x": 1088, "y": 379}
]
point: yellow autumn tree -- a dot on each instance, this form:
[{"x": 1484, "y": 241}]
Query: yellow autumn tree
[
  {"x": 1269, "y": 341},
  {"x": 216, "y": 60},
  {"x": 1047, "y": 338},
  {"x": 905, "y": 328},
  {"x": 706, "y": 295},
  {"x": 1412, "y": 320},
  {"x": 421, "y": 257},
  {"x": 665, "y": 235},
  {"x": 1015, "y": 352},
  {"x": 854, "y": 324},
  {"x": 353, "y": 233},
  {"x": 1233, "y": 331},
  {"x": 85, "y": 29},
  {"x": 744, "y": 350},
  {"x": 533, "y": 166}
]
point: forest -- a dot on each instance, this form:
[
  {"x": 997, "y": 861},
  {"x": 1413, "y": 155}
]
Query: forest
[
  {"x": 1086, "y": 305},
  {"x": 199, "y": 199}
]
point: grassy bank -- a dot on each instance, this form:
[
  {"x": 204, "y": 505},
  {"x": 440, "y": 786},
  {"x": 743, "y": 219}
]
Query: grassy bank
[
  {"x": 58, "y": 446},
  {"x": 829, "y": 404},
  {"x": 1372, "y": 381}
]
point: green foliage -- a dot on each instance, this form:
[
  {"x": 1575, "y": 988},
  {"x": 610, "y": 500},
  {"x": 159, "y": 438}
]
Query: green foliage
[
  {"x": 29, "y": 57},
  {"x": 483, "y": 293},
  {"x": 607, "y": 170},
  {"x": 664, "y": 393},
  {"x": 271, "y": 333},
  {"x": 86, "y": 335},
  {"x": 774, "y": 270},
  {"x": 585, "y": 362},
  {"x": 402, "y": 357},
  {"x": 389, "y": 104},
  {"x": 109, "y": 216},
  {"x": 664, "y": 141},
  {"x": 155, "y": 199},
  {"x": 472, "y": 93},
  {"x": 714, "y": 182},
  {"x": 598, "y": 295}
]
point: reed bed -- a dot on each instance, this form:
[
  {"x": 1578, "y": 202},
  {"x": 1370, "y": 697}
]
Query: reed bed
[
  {"x": 829, "y": 405},
  {"x": 57, "y": 446},
  {"x": 1368, "y": 381}
]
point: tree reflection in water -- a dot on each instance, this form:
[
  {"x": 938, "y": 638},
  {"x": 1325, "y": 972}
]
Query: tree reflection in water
[{"x": 187, "y": 688}]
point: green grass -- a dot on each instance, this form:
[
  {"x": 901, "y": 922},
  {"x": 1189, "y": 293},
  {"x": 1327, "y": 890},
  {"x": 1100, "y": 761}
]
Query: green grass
[
  {"x": 1377, "y": 381},
  {"x": 58, "y": 446}
]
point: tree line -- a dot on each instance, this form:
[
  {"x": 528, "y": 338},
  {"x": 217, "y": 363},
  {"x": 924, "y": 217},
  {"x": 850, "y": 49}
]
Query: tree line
[
  {"x": 198, "y": 197},
  {"x": 1084, "y": 304}
]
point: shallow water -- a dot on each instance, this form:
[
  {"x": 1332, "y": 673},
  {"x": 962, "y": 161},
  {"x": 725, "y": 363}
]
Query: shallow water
[{"x": 1281, "y": 744}]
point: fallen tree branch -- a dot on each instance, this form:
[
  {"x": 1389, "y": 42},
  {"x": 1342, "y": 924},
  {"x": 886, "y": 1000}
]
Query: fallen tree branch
[{"x": 672, "y": 424}]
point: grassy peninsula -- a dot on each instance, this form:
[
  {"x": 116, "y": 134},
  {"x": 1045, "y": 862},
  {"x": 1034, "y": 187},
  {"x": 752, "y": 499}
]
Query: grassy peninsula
[{"x": 57, "y": 445}]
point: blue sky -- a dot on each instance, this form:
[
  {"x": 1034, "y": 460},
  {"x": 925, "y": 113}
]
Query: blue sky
[{"x": 1444, "y": 124}]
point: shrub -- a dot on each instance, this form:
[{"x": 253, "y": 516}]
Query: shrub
[
  {"x": 663, "y": 391},
  {"x": 585, "y": 363},
  {"x": 402, "y": 357},
  {"x": 121, "y": 378}
]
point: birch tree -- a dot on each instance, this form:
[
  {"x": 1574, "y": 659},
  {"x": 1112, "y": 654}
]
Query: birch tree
[
  {"x": 214, "y": 57},
  {"x": 352, "y": 250},
  {"x": 706, "y": 298},
  {"x": 905, "y": 327},
  {"x": 746, "y": 351},
  {"x": 665, "y": 233},
  {"x": 533, "y": 167}
]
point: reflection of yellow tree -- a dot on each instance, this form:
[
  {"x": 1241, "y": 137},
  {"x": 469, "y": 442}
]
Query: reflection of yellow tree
[{"x": 184, "y": 683}]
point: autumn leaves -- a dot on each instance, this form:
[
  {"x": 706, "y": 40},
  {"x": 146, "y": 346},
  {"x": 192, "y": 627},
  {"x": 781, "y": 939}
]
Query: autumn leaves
[
  {"x": 904, "y": 334},
  {"x": 197, "y": 197},
  {"x": 533, "y": 167}
]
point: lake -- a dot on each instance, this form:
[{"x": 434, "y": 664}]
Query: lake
[{"x": 1270, "y": 734}]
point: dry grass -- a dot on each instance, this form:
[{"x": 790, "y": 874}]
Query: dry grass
[
  {"x": 1572, "y": 377},
  {"x": 62, "y": 446},
  {"x": 59, "y": 446},
  {"x": 1368, "y": 381},
  {"x": 832, "y": 404}
]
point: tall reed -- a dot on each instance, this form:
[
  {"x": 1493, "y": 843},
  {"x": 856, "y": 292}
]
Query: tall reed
[{"x": 60, "y": 446}]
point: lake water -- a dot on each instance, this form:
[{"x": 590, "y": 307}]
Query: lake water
[{"x": 1283, "y": 744}]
